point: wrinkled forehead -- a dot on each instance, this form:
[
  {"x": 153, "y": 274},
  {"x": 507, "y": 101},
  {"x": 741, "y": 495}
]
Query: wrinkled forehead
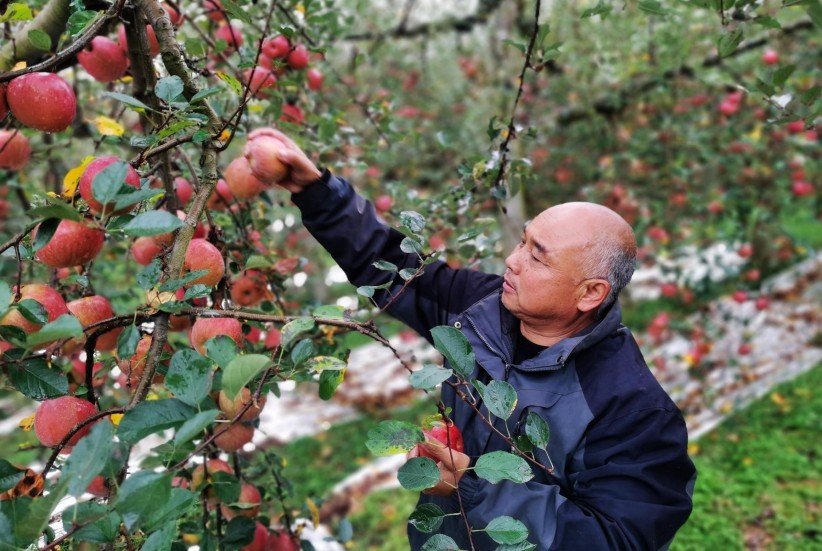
[{"x": 563, "y": 227}]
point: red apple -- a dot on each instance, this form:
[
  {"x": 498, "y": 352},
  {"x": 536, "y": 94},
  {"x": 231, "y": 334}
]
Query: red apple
[
  {"x": 145, "y": 249},
  {"x": 103, "y": 59},
  {"x": 4, "y": 106},
  {"x": 72, "y": 244},
  {"x": 281, "y": 542},
  {"x": 247, "y": 505},
  {"x": 183, "y": 190},
  {"x": 273, "y": 338},
  {"x": 770, "y": 57},
  {"x": 78, "y": 373},
  {"x": 174, "y": 16},
  {"x": 241, "y": 181},
  {"x": 249, "y": 288},
  {"x": 56, "y": 417},
  {"x": 221, "y": 198},
  {"x": 134, "y": 366},
  {"x": 314, "y": 78},
  {"x": 231, "y": 438},
  {"x": 298, "y": 58},
  {"x": 450, "y": 435},
  {"x": 153, "y": 45},
  {"x": 231, "y": 407},
  {"x": 802, "y": 189},
  {"x": 198, "y": 474},
  {"x": 202, "y": 255},
  {"x": 740, "y": 296},
  {"x": 795, "y": 127},
  {"x": 44, "y": 101},
  {"x": 260, "y": 80},
  {"x": 762, "y": 303},
  {"x": 90, "y": 173},
  {"x": 383, "y": 203},
  {"x": 261, "y": 153},
  {"x": 231, "y": 35},
  {"x": 205, "y": 329},
  {"x": 98, "y": 487},
  {"x": 15, "y": 150},
  {"x": 50, "y": 299},
  {"x": 745, "y": 250},
  {"x": 277, "y": 47},
  {"x": 292, "y": 114},
  {"x": 214, "y": 10},
  {"x": 90, "y": 310}
]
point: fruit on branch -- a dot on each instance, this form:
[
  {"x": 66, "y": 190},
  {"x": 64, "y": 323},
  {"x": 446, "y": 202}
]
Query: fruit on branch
[
  {"x": 78, "y": 373},
  {"x": 314, "y": 79},
  {"x": 277, "y": 47},
  {"x": 241, "y": 181},
  {"x": 249, "y": 288},
  {"x": 247, "y": 505},
  {"x": 174, "y": 16},
  {"x": 145, "y": 249},
  {"x": 50, "y": 299},
  {"x": 198, "y": 473},
  {"x": 56, "y": 417},
  {"x": 272, "y": 339},
  {"x": 90, "y": 310},
  {"x": 293, "y": 114},
  {"x": 801, "y": 188},
  {"x": 282, "y": 541},
  {"x": 261, "y": 152},
  {"x": 15, "y": 150},
  {"x": 232, "y": 407},
  {"x": 446, "y": 435},
  {"x": 183, "y": 190},
  {"x": 770, "y": 57},
  {"x": 202, "y": 255},
  {"x": 72, "y": 244},
  {"x": 90, "y": 173},
  {"x": 260, "y": 81},
  {"x": 4, "y": 106},
  {"x": 44, "y": 101},
  {"x": 231, "y": 35},
  {"x": 205, "y": 329},
  {"x": 103, "y": 59},
  {"x": 153, "y": 45},
  {"x": 298, "y": 58},
  {"x": 383, "y": 203},
  {"x": 231, "y": 438},
  {"x": 97, "y": 487},
  {"x": 221, "y": 198},
  {"x": 134, "y": 366},
  {"x": 214, "y": 10}
]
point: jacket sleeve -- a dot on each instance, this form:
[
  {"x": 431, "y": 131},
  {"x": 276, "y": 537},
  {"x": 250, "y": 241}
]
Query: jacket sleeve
[
  {"x": 633, "y": 493},
  {"x": 347, "y": 226}
]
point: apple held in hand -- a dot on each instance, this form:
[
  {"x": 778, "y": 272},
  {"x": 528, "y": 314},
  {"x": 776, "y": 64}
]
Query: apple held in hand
[
  {"x": 261, "y": 152},
  {"x": 56, "y": 417},
  {"x": 449, "y": 436},
  {"x": 241, "y": 181},
  {"x": 44, "y": 101}
]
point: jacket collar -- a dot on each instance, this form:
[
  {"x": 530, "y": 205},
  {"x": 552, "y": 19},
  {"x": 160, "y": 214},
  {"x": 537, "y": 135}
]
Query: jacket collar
[{"x": 498, "y": 329}]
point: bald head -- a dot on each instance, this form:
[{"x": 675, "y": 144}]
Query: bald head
[{"x": 604, "y": 241}]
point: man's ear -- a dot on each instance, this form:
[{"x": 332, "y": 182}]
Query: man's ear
[{"x": 592, "y": 293}]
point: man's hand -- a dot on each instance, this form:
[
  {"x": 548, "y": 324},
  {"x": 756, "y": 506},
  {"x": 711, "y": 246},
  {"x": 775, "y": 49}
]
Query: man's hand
[
  {"x": 452, "y": 465},
  {"x": 302, "y": 171}
]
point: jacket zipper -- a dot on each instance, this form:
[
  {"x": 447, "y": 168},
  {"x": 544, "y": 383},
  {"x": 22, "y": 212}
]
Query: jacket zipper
[{"x": 491, "y": 348}]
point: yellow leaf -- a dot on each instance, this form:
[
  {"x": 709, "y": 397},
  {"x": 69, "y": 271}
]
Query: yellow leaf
[
  {"x": 27, "y": 424},
  {"x": 778, "y": 399},
  {"x": 756, "y": 133},
  {"x": 20, "y": 65},
  {"x": 115, "y": 418},
  {"x": 224, "y": 135},
  {"x": 315, "y": 512},
  {"x": 154, "y": 298},
  {"x": 300, "y": 8},
  {"x": 72, "y": 178},
  {"x": 108, "y": 127},
  {"x": 748, "y": 461},
  {"x": 693, "y": 448}
]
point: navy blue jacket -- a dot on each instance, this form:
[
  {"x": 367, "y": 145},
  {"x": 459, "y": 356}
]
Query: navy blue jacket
[{"x": 622, "y": 477}]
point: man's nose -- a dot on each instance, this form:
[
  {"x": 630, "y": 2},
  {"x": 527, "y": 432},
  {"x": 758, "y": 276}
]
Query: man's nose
[{"x": 512, "y": 261}]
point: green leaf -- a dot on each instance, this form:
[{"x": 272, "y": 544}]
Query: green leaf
[
  {"x": 257, "y": 261},
  {"x": 237, "y": 12},
  {"x": 5, "y": 297},
  {"x": 728, "y": 42},
  {"x": 9, "y": 475},
  {"x": 418, "y": 473},
  {"x": 325, "y": 363},
  {"x": 294, "y": 328},
  {"x": 226, "y": 486},
  {"x": 506, "y": 530},
  {"x": 440, "y": 542},
  {"x": 174, "y": 284},
  {"x": 537, "y": 430},
  {"x": 522, "y": 546},
  {"x": 127, "y": 342},
  {"x": 601, "y": 9},
  {"x": 140, "y": 494},
  {"x": 499, "y": 465},
  {"x": 452, "y": 344},
  {"x": 500, "y": 399},
  {"x": 168, "y": 88},
  {"x": 410, "y": 245},
  {"x": 55, "y": 210},
  {"x": 160, "y": 540},
  {"x": 195, "y": 426},
  {"x": 782, "y": 75},
  {"x": 814, "y": 9},
  {"x": 235, "y": 85},
  {"x": 189, "y": 376},
  {"x": 154, "y": 222},
  {"x": 152, "y": 416},
  {"x": 408, "y": 273},
  {"x": 369, "y": 290},
  {"x": 652, "y": 7},
  {"x": 241, "y": 370},
  {"x": 203, "y": 94},
  {"x": 32, "y": 311},
  {"x": 39, "y": 39},
  {"x": 303, "y": 350},
  {"x": 80, "y": 20},
  {"x": 16, "y": 12},
  {"x": 329, "y": 312},
  {"x": 809, "y": 96},
  {"x": 89, "y": 457},
  {"x": 22, "y": 520},
  {"x": 35, "y": 379},
  {"x": 99, "y": 525},
  {"x": 429, "y": 377},
  {"x": 65, "y": 326},
  {"x": 767, "y": 21},
  {"x": 45, "y": 231},
  {"x": 427, "y": 517},
  {"x": 392, "y": 437},
  {"x": 178, "y": 504},
  {"x": 222, "y": 349},
  {"x": 150, "y": 276},
  {"x": 329, "y": 382},
  {"x": 107, "y": 183},
  {"x": 239, "y": 532},
  {"x": 134, "y": 103},
  {"x": 414, "y": 221},
  {"x": 385, "y": 265}
]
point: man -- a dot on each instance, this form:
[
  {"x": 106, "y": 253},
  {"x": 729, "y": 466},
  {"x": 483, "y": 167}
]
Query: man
[{"x": 551, "y": 328}]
